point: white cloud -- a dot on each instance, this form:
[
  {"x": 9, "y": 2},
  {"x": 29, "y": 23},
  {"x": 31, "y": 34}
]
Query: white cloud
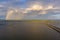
[
  {"x": 57, "y": 16},
  {"x": 1, "y": 6},
  {"x": 32, "y": 11},
  {"x": 14, "y": 14},
  {"x": 31, "y": 8}
]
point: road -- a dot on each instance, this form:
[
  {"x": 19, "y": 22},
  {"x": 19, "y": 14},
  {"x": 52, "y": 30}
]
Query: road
[{"x": 28, "y": 30}]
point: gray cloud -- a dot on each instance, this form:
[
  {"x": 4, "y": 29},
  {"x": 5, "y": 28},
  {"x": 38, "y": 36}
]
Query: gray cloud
[{"x": 6, "y": 5}]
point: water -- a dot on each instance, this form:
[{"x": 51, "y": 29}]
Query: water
[{"x": 27, "y": 30}]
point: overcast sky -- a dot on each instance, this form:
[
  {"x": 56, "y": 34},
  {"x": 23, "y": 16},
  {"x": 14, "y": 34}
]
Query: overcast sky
[{"x": 29, "y": 9}]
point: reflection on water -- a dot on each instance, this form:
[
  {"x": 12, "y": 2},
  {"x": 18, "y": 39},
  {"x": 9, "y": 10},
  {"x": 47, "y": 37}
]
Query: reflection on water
[{"x": 31, "y": 30}]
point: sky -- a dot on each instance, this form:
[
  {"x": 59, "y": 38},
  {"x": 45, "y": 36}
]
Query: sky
[{"x": 29, "y": 9}]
